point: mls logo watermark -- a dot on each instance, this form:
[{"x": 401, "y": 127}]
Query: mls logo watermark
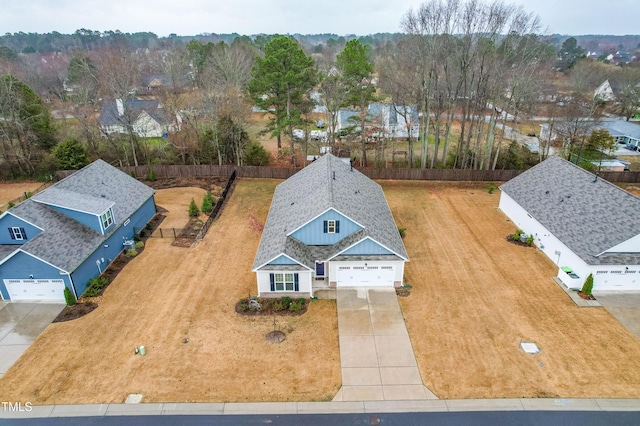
[{"x": 16, "y": 407}]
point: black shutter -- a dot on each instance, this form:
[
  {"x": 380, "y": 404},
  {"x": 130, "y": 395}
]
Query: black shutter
[
  {"x": 326, "y": 226},
  {"x": 24, "y": 234},
  {"x": 337, "y": 226},
  {"x": 13, "y": 236},
  {"x": 272, "y": 278},
  {"x": 296, "y": 283}
]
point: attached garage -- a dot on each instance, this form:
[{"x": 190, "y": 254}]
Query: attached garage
[
  {"x": 45, "y": 290},
  {"x": 365, "y": 276}
]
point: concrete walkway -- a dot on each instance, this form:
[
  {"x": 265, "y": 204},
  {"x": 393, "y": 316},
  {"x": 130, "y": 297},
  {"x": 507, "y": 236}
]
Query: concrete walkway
[
  {"x": 20, "y": 325},
  {"x": 376, "y": 355}
]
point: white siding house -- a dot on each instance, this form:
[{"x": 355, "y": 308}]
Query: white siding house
[{"x": 583, "y": 223}]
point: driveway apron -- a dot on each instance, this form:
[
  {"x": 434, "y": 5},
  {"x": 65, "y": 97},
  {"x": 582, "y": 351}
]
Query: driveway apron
[
  {"x": 376, "y": 355},
  {"x": 624, "y": 306},
  {"x": 20, "y": 325}
]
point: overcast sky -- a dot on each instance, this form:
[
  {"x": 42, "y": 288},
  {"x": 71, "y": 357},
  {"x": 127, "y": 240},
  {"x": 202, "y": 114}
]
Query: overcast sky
[{"x": 361, "y": 17}]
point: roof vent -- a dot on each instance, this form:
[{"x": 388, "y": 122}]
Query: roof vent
[{"x": 334, "y": 175}]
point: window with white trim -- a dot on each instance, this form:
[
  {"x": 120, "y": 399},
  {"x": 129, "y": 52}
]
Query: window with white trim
[
  {"x": 107, "y": 219},
  {"x": 17, "y": 233},
  {"x": 284, "y": 281},
  {"x": 331, "y": 226}
]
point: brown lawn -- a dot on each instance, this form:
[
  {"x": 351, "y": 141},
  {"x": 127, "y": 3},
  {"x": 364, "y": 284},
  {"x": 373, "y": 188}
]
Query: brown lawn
[
  {"x": 475, "y": 297},
  {"x": 169, "y": 294},
  {"x": 13, "y": 190}
]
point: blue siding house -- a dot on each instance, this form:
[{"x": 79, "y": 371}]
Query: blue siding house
[
  {"x": 70, "y": 232},
  {"x": 328, "y": 226}
]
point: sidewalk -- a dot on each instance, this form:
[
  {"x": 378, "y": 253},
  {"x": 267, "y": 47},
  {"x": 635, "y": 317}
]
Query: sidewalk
[{"x": 169, "y": 409}]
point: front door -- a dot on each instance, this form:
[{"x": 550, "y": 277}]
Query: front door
[{"x": 319, "y": 269}]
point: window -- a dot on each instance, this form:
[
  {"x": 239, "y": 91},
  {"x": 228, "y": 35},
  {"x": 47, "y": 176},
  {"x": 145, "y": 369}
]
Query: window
[
  {"x": 17, "y": 233},
  {"x": 284, "y": 282},
  {"x": 331, "y": 226},
  {"x": 107, "y": 219}
]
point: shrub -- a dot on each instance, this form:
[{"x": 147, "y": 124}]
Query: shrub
[
  {"x": 95, "y": 286},
  {"x": 255, "y": 155},
  {"x": 516, "y": 236},
  {"x": 277, "y": 306},
  {"x": 132, "y": 253},
  {"x": 286, "y": 301},
  {"x": 207, "y": 203},
  {"x": 587, "y": 288},
  {"x": 148, "y": 227},
  {"x": 10, "y": 204},
  {"x": 296, "y": 305},
  {"x": 69, "y": 298},
  {"x": 401, "y": 232},
  {"x": 152, "y": 175},
  {"x": 193, "y": 208},
  {"x": 529, "y": 240},
  {"x": 139, "y": 244},
  {"x": 133, "y": 174},
  {"x": 491, "y": 188}
]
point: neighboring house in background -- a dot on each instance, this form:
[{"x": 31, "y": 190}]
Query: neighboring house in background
[
  {"x": 156, "y": 83},
  {"x": 384, "y": 120},
  {"x": 583, "y": 223},
  {"x": 146, "y": 117},
  {"x": 328, "y": 226},
  {"x": 70, "y": 232},
  {"x": 624, "y": 132},
  {"x": 604, "y": 92}
]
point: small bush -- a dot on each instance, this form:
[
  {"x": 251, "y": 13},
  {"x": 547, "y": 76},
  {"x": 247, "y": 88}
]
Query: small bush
[
  {"x": 139, "y": 244},
  {"x": 69, "y": 298},
  {"x": 529, "y": 240},
  {"x": 255, "y": 155},
  {"x": 587, "y": 288},
  {"x": 277, "y": 306},
  {"x": 136, "y": 238},
  {"x": 401, "y": 232},
  {"x": 132, "y": 253},
  {"x": 296, "y": 305},
  {"x": 193, "y": 209},
  {"x": 141, "y": 234},
  {"x": 207, "y": 203},
  {"x": 95, "y": 286},
  {"x": 152, "y": 175},
  {"x": 516, "y": 236},
  {"x": 491, "y": 188},
  {"x": 148, "y": 227},
  {"x": 28, "y": 194},
  {"x": 10, "y": 204},
  {"x": 286, "y": 302},
  {"x": 133, "y": 174}
]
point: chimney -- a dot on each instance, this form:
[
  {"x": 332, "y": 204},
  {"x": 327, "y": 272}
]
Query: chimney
[{"x": 120, "y": 107}]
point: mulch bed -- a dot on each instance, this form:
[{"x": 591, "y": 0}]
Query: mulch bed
[
  {"x": 76, "y": 311},
  {"x": 267, "y": 308},
  {"x": 403, "y": 291},
  {"x": 517, "y": 242},
  {"x": 214, "y": 184},
  {"x": 189, "y": 233},
  {"x": 586, "y": 296}
]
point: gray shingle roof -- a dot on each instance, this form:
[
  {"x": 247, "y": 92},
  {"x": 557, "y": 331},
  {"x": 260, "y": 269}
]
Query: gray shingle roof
[
  {"x": 312, "y": 191},
  {"x": 66, "y": 242},
  {"x": 132, "y": 110},
  {"x": 588, "y": 215}
]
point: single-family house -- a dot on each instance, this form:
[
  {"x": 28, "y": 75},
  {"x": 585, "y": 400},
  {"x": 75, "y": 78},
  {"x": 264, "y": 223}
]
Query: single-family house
[
  {"x": 329, "y": 226},
  {"x": 583, "y": 223},
  {"x": 383, "y": 120},
  {"x": 70, "y": 232},
  {"x": 624, "y": 132},
  {"x": 146, "y": 117}
]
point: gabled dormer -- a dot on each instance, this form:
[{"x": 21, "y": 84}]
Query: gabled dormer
[
  {"x": 326, "y": 229},
  {"x": 96, "y": 213},
  {"x": 15, "y": 230}
]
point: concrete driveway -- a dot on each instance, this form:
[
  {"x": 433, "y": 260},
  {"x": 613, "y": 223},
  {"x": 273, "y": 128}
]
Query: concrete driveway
[
  {"x": 625, "y": 307},
  {"x": 20, "y": 325}
]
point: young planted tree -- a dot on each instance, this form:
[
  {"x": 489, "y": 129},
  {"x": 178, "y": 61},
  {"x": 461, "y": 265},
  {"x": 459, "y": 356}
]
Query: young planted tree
[
  {"x": 356, "y": 69},
  {"x": 193, "y": 209},
  {"x": 600, "y": 141},
  {"x": 281, "y": 83},
  {"x": 587, "y": 287}
]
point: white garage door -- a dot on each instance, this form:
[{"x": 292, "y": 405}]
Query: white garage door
[
  {"x": 52, "y": 290},
  {"x": 365, "y": 276}
]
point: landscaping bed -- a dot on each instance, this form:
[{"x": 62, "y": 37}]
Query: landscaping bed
[{"x": 272, "y": 306}]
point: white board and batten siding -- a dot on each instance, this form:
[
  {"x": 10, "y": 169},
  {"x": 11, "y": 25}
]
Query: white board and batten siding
[
  {"x": 605, "y": 277},
  {"x": 366, "y": 274},
  {"x": 264, "y": 283},
  {"x": 33, "y": 289}
]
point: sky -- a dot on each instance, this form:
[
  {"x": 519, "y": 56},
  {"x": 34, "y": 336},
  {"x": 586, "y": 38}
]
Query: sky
[{"x": 342, "y": 17}]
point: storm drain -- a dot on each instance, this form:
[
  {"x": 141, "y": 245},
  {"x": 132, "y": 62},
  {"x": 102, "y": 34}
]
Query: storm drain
[{"x": 530, "y": 348}]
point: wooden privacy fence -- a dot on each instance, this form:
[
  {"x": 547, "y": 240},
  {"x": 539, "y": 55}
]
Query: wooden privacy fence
[{"x": 262, "y": 172}]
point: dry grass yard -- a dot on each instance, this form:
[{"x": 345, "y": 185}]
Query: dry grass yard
[
  {"x": 170, "y": 294},
  {"x": 12, "y": 190},
  {"x": 475, "y": 297}
]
